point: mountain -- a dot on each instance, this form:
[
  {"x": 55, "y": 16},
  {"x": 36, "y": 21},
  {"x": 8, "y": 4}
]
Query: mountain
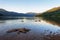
[
  {"x": 30, "y": 14},
  {"x": 54, "y": 9},
  {"x": 4, "y": 12},
  {"x": 7, "y": 13},
  {"x": 54, "y": 12}
]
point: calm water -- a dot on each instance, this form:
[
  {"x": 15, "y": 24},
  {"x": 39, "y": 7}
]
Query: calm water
[{"x": 39, "y": 29}]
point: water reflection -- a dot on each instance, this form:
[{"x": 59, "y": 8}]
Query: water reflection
[
  {"x": 52, "y": 21},
  {"x": 29, "y": 29},
  {"x": 22, "y": 19},
  {"x": 2, "y": 21}
]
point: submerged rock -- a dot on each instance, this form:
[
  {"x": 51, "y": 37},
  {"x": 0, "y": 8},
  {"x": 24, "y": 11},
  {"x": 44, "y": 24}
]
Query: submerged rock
[{"x": 21, "y": 30}]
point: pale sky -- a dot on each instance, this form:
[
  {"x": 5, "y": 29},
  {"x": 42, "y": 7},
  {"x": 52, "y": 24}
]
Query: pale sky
[{"x": 23, "y": 6}]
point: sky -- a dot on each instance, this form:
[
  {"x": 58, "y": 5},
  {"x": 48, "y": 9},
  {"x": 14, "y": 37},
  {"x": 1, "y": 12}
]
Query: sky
[{"x": 23, "y": 6}]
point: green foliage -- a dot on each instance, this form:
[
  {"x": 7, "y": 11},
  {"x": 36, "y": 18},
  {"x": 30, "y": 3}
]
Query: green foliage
[{"x": 51, "y": 15}]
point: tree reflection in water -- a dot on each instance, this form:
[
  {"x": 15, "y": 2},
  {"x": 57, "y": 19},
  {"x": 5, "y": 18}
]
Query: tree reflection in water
[{"x": 52, "y": 21}]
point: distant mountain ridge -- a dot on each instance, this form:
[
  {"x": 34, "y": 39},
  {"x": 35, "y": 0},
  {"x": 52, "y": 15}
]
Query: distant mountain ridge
[{"x": 4, "y": 12}]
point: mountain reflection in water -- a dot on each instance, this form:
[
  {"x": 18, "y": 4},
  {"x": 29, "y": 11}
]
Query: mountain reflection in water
[
  {"x": 29, "y": 29},
  {"x": 54, "y": 22}
]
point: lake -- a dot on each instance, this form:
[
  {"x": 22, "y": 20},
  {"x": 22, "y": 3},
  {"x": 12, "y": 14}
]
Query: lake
[{"x": 39, "y": 29}]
